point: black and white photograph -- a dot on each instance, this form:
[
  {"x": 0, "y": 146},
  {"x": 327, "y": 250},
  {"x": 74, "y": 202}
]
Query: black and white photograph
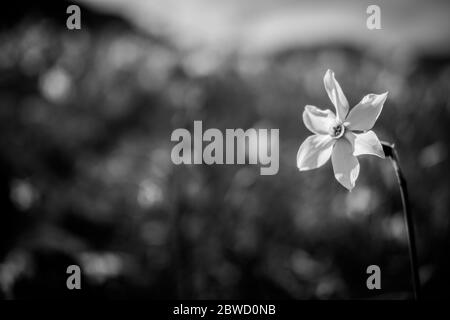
[{"x": 241, "y": 152}]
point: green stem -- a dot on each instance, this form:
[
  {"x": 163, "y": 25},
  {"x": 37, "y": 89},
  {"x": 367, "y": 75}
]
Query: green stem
[{"x": 391, "y": 152}]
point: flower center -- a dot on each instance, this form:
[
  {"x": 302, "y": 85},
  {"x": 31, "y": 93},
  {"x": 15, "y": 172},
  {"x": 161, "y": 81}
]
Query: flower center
[{"x": 337, "y": 131}]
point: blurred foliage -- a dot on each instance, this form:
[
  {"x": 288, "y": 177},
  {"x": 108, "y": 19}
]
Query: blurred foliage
[{"x": 86, "y": 175}]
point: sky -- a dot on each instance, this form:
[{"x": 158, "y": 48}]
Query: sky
[{"x": 267, "y": 26}]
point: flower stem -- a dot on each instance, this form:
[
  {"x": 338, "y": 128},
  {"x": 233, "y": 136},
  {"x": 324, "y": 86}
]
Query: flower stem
[{"x": 391, "y": 152}]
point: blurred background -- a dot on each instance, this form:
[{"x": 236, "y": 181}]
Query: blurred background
[{"x": 86, "y": 175}]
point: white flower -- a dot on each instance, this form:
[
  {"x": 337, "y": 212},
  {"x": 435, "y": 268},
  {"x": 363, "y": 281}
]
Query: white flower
[{"x": 342, "y": 136}]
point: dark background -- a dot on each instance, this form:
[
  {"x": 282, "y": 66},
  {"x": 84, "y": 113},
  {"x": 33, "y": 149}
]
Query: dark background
[{"x": 86, "y": 174}]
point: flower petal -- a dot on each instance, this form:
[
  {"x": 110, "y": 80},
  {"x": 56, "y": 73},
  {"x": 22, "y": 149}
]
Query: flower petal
[
  {"x": 345, "y": 164},
  {"x": 318, "y": 121},
  {"x": 365, "y": 143},
  {"x": 336, "y": 95},
  {"x": 364, "y": 114},
  {"x": 314, "y": 152}
]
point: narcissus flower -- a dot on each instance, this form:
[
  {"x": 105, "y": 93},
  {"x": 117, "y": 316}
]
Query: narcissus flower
[{"x": 342, "y": 136}]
